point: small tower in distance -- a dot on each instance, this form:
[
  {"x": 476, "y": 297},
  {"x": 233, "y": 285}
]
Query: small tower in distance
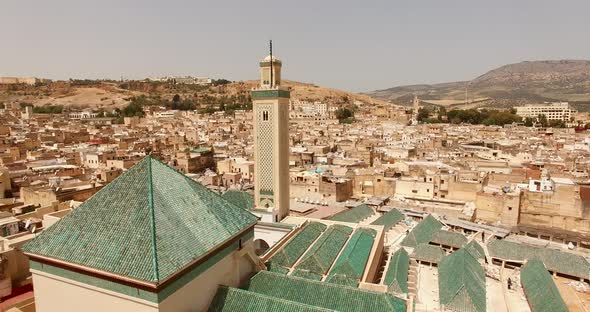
[
  {"x": 270, "y": 104},
  {"x": 415, "y": 108}
]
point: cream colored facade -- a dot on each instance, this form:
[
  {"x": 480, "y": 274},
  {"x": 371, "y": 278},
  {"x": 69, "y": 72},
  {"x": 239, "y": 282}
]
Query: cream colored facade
[
  {"x": 271, "y": 142},
  {"x": 57, "y": 293},
  {"x": 553, "y": 111}
]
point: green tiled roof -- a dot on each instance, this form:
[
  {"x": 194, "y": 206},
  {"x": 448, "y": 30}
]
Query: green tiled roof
[
  {"x": 423, "y": 232},
  {"x": 307, "y": 274},
  {"x": 353, "y": 259},
  {"x": 447, "y": 238},
  {"x": 429, "y": 253},
  {"x": 475, "y": 250},
  {"x": 229, "y": 299},
  {"x": 396, "y": 277},
  {"x": 276, "y": 268},
  {"x": 241, "y": 199},
  {"x": 293, "y": 249},
  {"x": 461, "y": 283},
  {"x": 539, "y": 288},
  {"x": 341, "y": 279},
  {"x": 389, "y": 219},
  {"x": 147, "y": 225},
  {"x": 353, "y": 215},
  {"x": 555, "y": 260},
  {"x": 325, "y": 295},
  {"x": 322, "y": 254}
]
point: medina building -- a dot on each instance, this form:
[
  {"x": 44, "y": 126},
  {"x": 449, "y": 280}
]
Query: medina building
[{"x": 151, "y": 240}]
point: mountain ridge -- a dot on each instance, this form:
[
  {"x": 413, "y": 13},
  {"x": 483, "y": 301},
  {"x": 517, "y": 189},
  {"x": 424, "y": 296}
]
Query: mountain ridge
[{"x": 504, "y": 86}]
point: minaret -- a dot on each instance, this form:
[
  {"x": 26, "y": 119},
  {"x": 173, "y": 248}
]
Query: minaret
[{"x": 270, "y": 102}]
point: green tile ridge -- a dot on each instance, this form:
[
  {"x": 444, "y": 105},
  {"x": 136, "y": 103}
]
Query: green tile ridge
[
  {"x": 555, "y": 260},
  {"x": 353, "y": 215},
  {"x": 430, "y": 253},
  {"x": 296, "y": 246},
  {"x": 229, "y": 299},
  {"x": 322, "y": 294},
  {"x": 324, "y": 251},
  {"x": 396, "y": 277},
  {"x": 448, "y": 238},
  {"x": 389, "y": 219},
  {"x": 353, "y": 259},
  {"x": 152, "y": 221},
  {"x": 461, "y": 280},
  {"x": 423, "y": 232},
  {"x": 540, "y": 289}
]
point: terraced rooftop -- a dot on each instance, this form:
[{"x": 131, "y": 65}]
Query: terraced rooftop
[
  {"x": 555, "y": 260},
  {"x": 350, "y": 265},
  {"x": 321, "y": 255},
  {"x": 354, "y": 215},
  {"x": 293, "y": 249}
]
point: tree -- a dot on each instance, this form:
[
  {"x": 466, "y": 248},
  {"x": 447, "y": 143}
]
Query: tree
[
  {"x": 343, "y": 114},
  {"x": 528, "y": 122},
  {"x": 542, "y": 119},
  {"x": 423, "y": 113}
]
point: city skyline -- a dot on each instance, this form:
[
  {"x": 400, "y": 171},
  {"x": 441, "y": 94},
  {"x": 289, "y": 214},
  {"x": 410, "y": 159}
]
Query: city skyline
[{"x": 384, "y": 45}]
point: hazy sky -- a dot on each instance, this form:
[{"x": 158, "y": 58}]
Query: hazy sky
[{"x": 352, "y": 45}]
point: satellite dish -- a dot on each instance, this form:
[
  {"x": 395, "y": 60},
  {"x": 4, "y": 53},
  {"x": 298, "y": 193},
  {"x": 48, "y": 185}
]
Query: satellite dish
[
  {"x": 33, "y": 229},
  {"x": 28, "y": 223}
]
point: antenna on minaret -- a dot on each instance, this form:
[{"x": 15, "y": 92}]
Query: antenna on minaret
[{"x": 271, "y": 69}]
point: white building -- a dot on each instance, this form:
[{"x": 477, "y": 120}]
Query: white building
[
  {"x": 82, "y": 115},
  {"x": 553, "y": 111}
]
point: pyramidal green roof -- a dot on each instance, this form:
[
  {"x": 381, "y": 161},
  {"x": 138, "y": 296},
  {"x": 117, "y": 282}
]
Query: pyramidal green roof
[
  {"x": 241, "y": 199},
  {"x": 147, "y": 225}
]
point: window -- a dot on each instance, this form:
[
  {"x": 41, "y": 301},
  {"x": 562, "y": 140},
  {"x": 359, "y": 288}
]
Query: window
[
  {"x": 509, "y": 208},
  {"x": 414, "y": 191},
  {"x": 265, "y": 115},
  {"x": 240, "y": 244}
]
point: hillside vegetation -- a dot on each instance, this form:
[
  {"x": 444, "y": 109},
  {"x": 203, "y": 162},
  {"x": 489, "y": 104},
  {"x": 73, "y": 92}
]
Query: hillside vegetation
[{"x": 111, "y": 95}]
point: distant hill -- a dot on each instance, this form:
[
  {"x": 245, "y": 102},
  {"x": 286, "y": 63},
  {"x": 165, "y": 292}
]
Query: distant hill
[
  {"x": 111, "y": 94},
  {"x": 506, "y": 86}
]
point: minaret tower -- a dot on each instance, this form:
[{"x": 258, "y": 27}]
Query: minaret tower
[{"x": 270, "y": 102}]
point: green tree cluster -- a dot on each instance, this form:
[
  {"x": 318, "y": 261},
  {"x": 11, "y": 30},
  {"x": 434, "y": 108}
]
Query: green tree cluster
[
  {"x": 344, "y": 115},
  {"x": 48, "y": 109}
]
